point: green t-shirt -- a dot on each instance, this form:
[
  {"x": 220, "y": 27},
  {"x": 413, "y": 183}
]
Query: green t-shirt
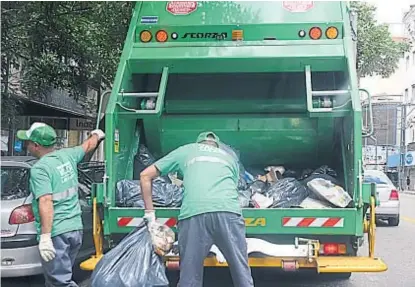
[
  {"x": 56, "y": 173},
  {"x": 210, "y": 178}
]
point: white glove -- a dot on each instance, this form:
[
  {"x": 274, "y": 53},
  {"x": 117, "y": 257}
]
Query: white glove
[
  {"x": 99, "y": 133},
  {"x": 47, "y": 251},
  {"x": 149, "y": 216}
]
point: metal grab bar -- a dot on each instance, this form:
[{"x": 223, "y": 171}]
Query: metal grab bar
[{"x": 371, "y": 126}]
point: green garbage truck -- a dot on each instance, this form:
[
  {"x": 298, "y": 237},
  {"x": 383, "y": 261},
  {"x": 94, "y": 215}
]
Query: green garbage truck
[{"x": 275, "y": 80}]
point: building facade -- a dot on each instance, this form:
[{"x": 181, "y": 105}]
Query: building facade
[
  {"x": 408, "y": 85},
  {"x": 72, "y": 119},
  {"x": 403, "y": 163}
]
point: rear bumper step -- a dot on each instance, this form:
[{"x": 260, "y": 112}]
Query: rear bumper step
[
  {"x": 338, "y": 264},
  {"x": 349, "y": 264}
]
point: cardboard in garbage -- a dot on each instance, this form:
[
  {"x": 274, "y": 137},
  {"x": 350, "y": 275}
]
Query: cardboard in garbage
[{"x": 330, "y": 192}]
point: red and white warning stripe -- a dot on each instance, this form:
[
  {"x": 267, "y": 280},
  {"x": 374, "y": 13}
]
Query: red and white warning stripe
[
  {"x": 313, "y": 222},
  {"x": 135, "y": 221}
]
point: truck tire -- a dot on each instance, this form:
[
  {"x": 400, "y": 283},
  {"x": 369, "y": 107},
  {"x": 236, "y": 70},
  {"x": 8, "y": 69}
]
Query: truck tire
[
  {"x": 342, "y": 276},
  {"x": 393, "y": 221},
  {"x": 337, "y": 276}
]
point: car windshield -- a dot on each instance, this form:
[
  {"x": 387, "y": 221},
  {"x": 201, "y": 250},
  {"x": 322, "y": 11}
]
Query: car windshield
[
  {"x": 376, "y": 178},
  {"x": 14, "y": 183}
]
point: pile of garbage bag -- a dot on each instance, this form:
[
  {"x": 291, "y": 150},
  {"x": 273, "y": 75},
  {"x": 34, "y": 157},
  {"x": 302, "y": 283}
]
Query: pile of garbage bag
[
  {"x": 285, "y": 189},
  {"x": 284, "y": 193},
  {"x": 272, "y": 187},
  {"x": 132, "y": 262},
  {"x": 165, "y": 194}
]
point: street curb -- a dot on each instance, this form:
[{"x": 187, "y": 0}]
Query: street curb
[{"x": 409, "y": 192}]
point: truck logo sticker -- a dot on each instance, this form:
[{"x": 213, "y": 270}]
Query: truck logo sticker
[
  {"x": 298, "y": 6},
  {"x": 149, "y": 19},
  {"x": 214, "y": 35},
  {"x": 253, "y": 222},
  {"x": 181, "y": 7}
]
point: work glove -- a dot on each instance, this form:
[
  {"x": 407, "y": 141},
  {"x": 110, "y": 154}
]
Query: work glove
[
  {"x": 149, "y": 217},
  {"x": 47, "y": 251},
  {"x": 99, "y": 133},
  {"x": 162, "y": 237}
]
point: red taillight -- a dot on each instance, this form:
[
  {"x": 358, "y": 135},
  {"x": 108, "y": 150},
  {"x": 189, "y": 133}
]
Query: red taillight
[
  {"x": 161, "y": 36},
  {"x": 22, "y": 214},
  {"x": 315, "y": 33},
  {"x": 333, "y": 249},
  {"x": 394, "y": 195}
]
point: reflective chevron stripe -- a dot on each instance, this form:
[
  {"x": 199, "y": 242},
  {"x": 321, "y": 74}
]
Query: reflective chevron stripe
[
  {"x": 313, "y": 222},
  {"x": 135, "y": 221}
]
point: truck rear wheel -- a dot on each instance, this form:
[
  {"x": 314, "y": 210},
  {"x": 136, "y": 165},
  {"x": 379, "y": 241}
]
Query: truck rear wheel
[
  {"x": 336, "y": 276},
  {"x": 342, "y": 276}
]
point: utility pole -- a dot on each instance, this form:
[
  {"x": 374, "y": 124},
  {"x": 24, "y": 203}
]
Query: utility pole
[{"x": 402, "y": 147}]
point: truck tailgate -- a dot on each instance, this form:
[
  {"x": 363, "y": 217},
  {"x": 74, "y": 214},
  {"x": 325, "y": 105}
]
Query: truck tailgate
[{"x": 336, "y": 221}]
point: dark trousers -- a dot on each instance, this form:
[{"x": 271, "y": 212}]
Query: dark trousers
[
  {"x": 58, "y": 272},
  {"x": 197, "y": 235}
]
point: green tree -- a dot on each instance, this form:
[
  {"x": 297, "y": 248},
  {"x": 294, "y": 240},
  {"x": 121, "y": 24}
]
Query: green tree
[
  {"x": 12, "y": 42},
  {"x": 64, "y": 45},
  {"x": 377, "y": 52}
]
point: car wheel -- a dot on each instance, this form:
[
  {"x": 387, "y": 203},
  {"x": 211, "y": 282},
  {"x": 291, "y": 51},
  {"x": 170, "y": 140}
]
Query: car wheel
[{"x": 394, "y": 221}]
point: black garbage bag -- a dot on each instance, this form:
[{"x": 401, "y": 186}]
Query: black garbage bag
[
  {"x": 242, "y": 182},
  {"x": 142, "y": 160},
  {"x": 290, "y": 173},
  {"x": 325, "y": 170},
  {"x": 306, "y": 173},
  {"x": 258, "y": 186},
  {"x": 244, "y": 197},
  {"x": 132, "y": 263},
  {"x": 145, "y": 157},
  {"x": 165, "y": 194},
  {"x": 286, "y": 193}
]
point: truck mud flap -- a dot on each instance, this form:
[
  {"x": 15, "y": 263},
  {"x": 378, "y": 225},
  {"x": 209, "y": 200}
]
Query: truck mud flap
[{"x": 342, "y": 264}]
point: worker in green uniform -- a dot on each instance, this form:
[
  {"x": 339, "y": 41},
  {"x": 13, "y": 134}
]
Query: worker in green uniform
[
  {"x": 54, "y": 184},
  {"x": 210, "y": 212}
]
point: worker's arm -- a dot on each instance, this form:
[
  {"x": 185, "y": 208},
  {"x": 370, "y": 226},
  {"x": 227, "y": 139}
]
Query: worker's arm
[
  {"x": 92, "y": 142},
  {"x": 87, "y": 146},
  {"x": 46, "y": 213},
  {"x": 41, "y": 187},
  {"x": 146, "y": 179},
  {"x": 165, "y": 165}
]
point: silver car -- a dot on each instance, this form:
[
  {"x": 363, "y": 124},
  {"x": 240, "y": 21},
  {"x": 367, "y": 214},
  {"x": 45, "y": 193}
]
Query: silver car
[
  {"x": 19, "y": 247},
  {"x": 387, "y": 194}
]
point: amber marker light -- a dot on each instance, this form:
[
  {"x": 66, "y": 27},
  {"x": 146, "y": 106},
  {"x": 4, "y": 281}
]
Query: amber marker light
[
  {"x": 332, "y": 33},
  {"x": 145, "y": 36}
]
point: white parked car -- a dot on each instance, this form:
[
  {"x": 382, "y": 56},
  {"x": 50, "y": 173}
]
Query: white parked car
[
  {"x": 19, "y": 247},
  {"x": 387, "y": 194}
]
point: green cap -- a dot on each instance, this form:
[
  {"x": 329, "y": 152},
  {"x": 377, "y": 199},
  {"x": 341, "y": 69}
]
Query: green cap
[
  {"x": 39, "y": 133},
  {"x": 205, "y": 137}
]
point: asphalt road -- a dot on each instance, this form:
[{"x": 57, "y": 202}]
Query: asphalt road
[{"x": 395, "y": 245}]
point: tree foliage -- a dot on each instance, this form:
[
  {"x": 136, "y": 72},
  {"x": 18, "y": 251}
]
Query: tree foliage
[
  {"x": 64, "y": 45},
  {"x": 70, "y": 45},
  {"x": 377, "y": 52}
]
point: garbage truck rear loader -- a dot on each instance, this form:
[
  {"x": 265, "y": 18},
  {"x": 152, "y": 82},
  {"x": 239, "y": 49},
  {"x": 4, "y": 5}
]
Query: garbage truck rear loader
[{"x": 275, "y": 80}]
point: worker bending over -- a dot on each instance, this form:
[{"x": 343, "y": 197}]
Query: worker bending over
[
  {"x": 54, "y": 184},
  {"x": 210, "y": 212}
]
